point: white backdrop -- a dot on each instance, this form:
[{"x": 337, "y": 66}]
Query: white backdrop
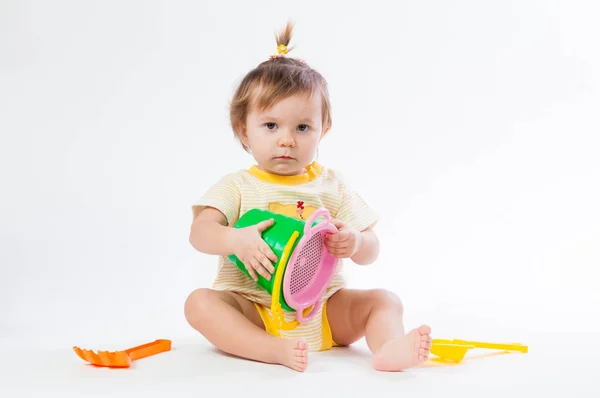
[{"x": 471, "y": 126}]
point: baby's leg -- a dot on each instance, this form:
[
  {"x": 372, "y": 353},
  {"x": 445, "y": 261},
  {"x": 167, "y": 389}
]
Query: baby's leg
[
  {"x": 377, "y": 315},
  {"x": 232, "y": 324}
]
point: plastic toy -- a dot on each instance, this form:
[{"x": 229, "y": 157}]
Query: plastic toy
[
  {"x": 455, "y": 350},
  {"x": 123, "y": 359},
  {"x": 305, "y": 266}
]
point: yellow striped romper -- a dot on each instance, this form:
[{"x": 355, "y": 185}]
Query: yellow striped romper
[{"x": 296, "y": 196}]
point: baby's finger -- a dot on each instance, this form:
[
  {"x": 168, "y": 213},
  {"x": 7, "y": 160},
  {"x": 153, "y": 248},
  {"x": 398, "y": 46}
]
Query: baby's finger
[
  {"x": 339, "y": 253},
  {"x": 336, "y": 245},
  {"x": 340, "y": 236},
  {"x": 251, "y": 272},
  {"x": 266, "y": 263},
  {"x": 258, "y": 267},
  {"x": 337, "y": 223},
  {"x": 266, "y": 250},
  {"x": 263, "y": 225}
]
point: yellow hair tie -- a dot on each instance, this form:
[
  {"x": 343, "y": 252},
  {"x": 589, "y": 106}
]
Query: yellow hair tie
[{"x": 282, "y": 49}]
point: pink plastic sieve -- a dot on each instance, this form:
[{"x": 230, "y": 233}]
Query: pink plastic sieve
[{"x": 310, "y": 268}]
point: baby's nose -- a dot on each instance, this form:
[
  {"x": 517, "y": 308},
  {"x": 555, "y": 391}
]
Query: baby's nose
[{"x": 287, "y": 140}]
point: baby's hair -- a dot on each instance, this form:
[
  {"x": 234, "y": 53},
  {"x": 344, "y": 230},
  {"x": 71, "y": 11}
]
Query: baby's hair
[
  {"x": 275, "y": 79},
  {"x": 284, "y": 37}
]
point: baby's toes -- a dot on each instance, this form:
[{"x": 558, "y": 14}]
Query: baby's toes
[
  {"x": 300, "y": 353},
  {"x": 424, "y": 330}
]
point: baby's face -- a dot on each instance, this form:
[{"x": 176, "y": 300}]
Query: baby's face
[{"x": 284, "y": 139}]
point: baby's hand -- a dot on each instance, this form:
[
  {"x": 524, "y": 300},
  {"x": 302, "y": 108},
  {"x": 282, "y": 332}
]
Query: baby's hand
[
  {"x": 345, "y": 243},
  {"x": 252, "y": 250}
]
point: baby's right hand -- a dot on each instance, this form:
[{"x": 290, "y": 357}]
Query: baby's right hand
[{"x": 253, "y": 251}]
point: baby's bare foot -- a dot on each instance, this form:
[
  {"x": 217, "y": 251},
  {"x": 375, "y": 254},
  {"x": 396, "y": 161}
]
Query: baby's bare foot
[
  {"x": 404, "y": 352},
  {"x": 294, "y": 354}
]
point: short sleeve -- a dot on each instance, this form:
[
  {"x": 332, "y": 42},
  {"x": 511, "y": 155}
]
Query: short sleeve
[
  {"x": 224, "y": 196},
  {"x": 355, "y": 211}
]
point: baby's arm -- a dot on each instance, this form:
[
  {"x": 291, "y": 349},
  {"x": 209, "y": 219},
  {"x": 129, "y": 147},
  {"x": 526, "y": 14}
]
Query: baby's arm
[
  {"x": 368, "y": 248},
  {"x": 210, "y": 233}
]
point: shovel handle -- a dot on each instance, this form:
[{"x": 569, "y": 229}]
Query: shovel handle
[
  {"x": 494, "y": 346},
  {"x": 146, "y": 350}
]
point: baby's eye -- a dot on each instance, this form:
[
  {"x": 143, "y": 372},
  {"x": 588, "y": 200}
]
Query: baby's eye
[
  {"x": 270, "y": 125},
  {"x": 303, "y": 127}
]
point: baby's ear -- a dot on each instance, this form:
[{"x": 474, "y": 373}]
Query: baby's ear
[
  {"x": 242, "y": 133},
  {"x": 244, "y": 138}
]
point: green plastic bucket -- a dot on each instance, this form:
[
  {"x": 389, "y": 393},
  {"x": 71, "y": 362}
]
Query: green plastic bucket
[
  {"x": 302, "y": 243},
  {"x": 277, "y": 237}
]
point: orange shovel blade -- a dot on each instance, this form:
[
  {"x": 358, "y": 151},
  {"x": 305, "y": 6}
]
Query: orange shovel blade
[{"x": 123, "y": 359}]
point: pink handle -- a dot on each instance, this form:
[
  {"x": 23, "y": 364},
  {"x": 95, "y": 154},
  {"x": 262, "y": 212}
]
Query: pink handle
[
  {"x": 322, "y": 211},
  {"x": 300, "y": 314}
]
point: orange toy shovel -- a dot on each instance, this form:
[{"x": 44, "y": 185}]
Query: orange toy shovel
[{"x": 123, "y": 359}]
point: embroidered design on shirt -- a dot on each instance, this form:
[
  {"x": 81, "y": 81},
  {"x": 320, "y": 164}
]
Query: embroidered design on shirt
[{"x": 297, "y": 210}]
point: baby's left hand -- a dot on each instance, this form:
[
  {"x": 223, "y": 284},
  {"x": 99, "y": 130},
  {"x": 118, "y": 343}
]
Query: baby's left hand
[{"x": 345, "y": 243}]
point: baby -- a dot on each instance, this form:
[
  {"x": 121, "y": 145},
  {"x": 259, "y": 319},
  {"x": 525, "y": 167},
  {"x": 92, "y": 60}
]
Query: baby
[{"x": 280, "y": 112}]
